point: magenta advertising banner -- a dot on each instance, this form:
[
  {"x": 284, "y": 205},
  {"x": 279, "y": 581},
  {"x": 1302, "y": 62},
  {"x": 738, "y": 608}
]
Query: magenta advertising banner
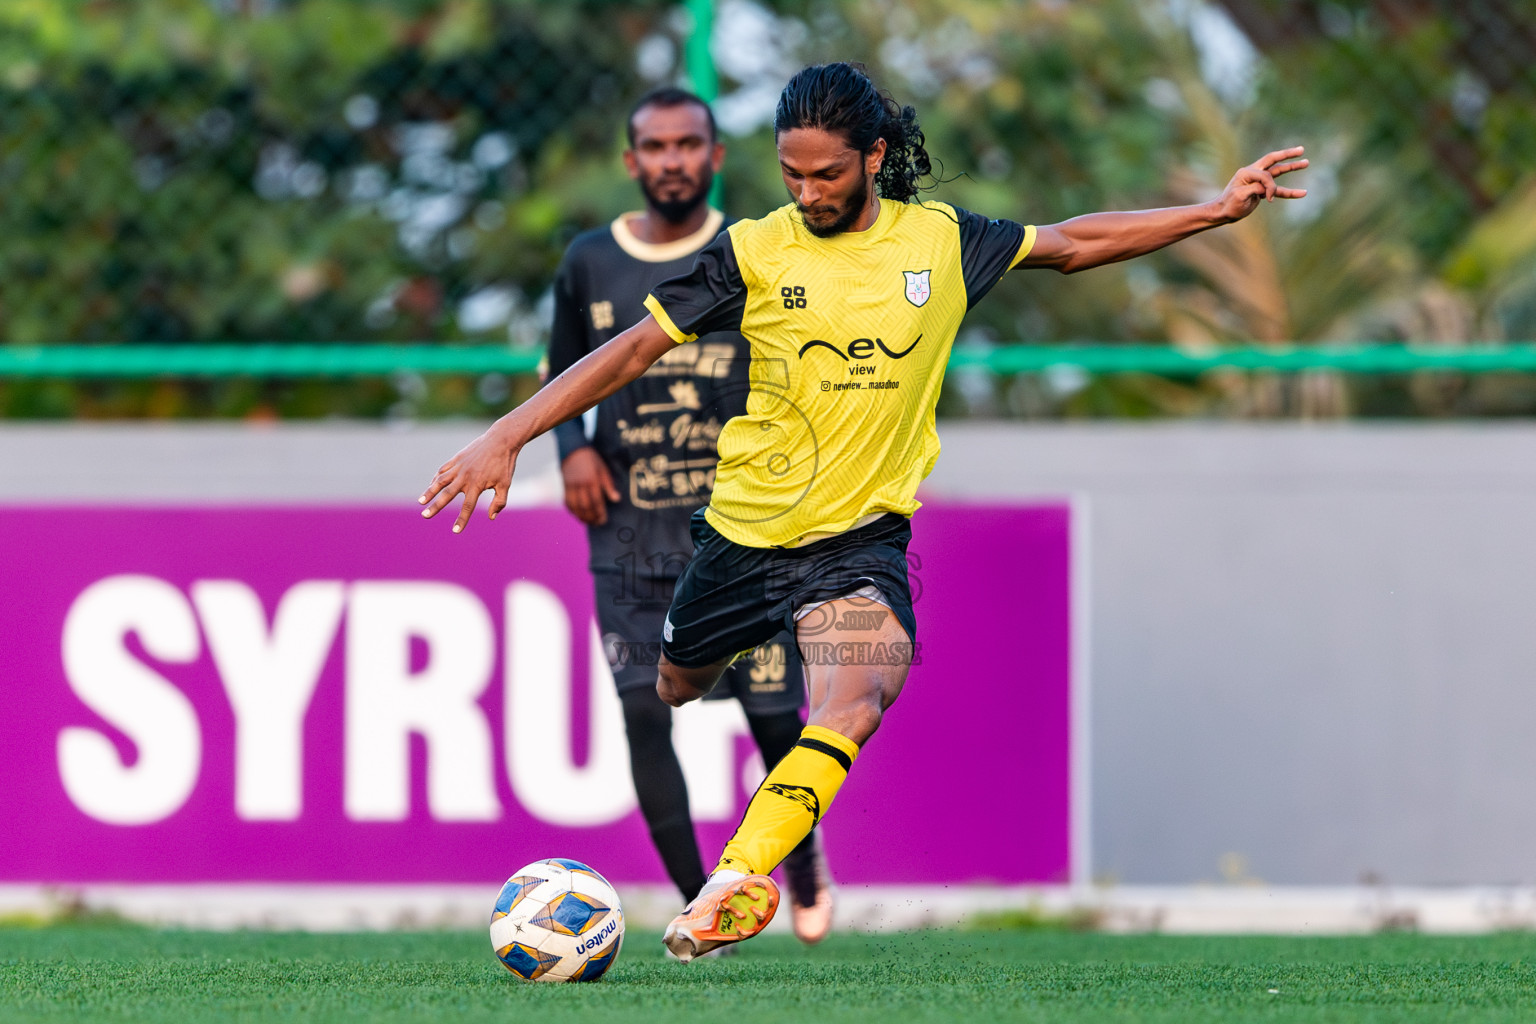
[{"x": 328, "y": 695}]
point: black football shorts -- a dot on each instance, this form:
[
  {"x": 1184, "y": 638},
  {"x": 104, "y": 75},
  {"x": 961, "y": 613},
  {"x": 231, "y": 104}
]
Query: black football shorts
[
  {"x": 732, "y": 597},
  {"x": 631, "y": 614}
]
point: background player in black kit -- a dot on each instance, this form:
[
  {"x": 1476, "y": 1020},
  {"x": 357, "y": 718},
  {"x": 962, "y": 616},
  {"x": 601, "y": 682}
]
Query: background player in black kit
[{"x": 637, "y": 466}]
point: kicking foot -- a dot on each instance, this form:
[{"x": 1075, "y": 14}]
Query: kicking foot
[
  {"x": 726, "y": 912},
  {"x": 718, "y": 953},
  {"x": 810, "y": 892}
]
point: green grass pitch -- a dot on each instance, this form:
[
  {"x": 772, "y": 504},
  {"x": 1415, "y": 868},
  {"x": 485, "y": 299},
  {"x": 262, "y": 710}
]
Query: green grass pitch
[{"x": 108, "y": 972}]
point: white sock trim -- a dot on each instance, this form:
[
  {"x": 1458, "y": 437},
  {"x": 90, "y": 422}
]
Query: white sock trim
[{"x": 720, "y": 879}]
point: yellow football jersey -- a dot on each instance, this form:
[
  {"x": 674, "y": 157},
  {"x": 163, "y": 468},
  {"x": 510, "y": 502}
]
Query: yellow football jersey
[{"x": 849, "y": 339}]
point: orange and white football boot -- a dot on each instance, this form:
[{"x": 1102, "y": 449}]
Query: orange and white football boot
[{"x": 727, "y": 912}]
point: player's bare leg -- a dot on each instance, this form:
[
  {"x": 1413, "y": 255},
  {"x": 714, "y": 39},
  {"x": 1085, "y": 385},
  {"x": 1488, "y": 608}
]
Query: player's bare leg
[
  {"x": 852, "y": 682},
  {"x": 840, "y": 700},
  {"x": 851, "y": 698}
]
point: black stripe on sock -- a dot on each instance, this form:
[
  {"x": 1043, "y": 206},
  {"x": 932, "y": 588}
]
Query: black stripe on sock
[{"x": 828, "y": 749}]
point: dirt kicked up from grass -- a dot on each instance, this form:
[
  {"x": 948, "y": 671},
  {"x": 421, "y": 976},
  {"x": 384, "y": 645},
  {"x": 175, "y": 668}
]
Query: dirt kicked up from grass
[{"x": 109, "y": 972}]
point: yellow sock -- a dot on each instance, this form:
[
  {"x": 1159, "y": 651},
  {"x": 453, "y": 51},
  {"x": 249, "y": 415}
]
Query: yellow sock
[{"x": 790, "y": 801}]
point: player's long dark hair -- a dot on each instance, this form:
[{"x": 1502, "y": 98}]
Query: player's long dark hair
[{"x": 841, "y": 98}]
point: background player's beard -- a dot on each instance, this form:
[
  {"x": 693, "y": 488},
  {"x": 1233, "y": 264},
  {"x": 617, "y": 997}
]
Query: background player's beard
[
  {"x": 675, "y": 211},
  {"x": 845, "y": 216}
]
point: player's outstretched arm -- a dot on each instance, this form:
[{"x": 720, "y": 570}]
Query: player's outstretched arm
[
  {"x": 487, "y": 462},
  {"x": 1099, "y": 238}
]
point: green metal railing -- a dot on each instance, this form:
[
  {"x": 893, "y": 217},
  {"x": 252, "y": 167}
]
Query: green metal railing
[
  {"x": 1172, "y": 362},
  {"x": 262, "y": 360},
  {"x": 352, "y": 360}
]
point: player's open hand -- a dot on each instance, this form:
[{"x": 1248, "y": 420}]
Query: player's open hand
[
  {"x": 588, "y": 486},
  {"x": 1256, "y": 183},
  {"x": 485, "y": 464}
]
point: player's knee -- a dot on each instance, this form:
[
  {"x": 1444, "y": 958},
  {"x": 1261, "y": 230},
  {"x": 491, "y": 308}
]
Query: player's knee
[
  {"x": 666, "y": 689},
  {"x": 674, "y": 688}
]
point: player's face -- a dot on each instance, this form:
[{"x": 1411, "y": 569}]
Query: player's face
[
  {"x": 674, "y": 158},
  {"x": 830, "y": 183}
]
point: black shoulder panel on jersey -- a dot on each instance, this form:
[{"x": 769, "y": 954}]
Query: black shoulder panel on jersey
[
  {"x": 710, "y": 297},
  {"x": 987, "y": 247}
]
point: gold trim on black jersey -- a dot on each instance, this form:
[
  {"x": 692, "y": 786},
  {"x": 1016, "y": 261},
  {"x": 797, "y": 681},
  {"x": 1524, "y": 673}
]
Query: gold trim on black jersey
[{"x": 664, "y": 252}]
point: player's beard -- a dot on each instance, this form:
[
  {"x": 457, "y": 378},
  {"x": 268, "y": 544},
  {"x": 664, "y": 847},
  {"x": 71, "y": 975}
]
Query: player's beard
[
  {"x": 679, "y": 209},
  {"x": 846, "y": 216}
]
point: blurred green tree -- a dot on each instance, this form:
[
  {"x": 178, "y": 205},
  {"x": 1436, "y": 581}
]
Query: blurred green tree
[
  {"x": 326, "y": 170},
  {"x": 1416, "y": 228}
]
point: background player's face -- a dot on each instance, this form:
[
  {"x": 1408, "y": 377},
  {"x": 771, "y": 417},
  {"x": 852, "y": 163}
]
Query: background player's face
[
  {"x": 674, "y": 158},
  {"x": 830, "y": 182}
]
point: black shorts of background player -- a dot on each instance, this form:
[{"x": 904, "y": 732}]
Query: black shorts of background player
[{"x": 637, "y": 467}]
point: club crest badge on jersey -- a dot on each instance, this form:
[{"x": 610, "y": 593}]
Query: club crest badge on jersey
[{"x": 917, "y": 286}]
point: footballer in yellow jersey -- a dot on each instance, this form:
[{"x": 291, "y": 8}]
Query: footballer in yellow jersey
[
  {"x": 636, "y": 471},
  {"x": 809, "y": 517},
  {"x": 849, "y": 339}
]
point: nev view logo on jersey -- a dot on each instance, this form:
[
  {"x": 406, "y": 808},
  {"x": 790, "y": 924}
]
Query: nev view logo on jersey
[
  {"x": 917, "y": 290},
  {"x": 859, "y": 348}
]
